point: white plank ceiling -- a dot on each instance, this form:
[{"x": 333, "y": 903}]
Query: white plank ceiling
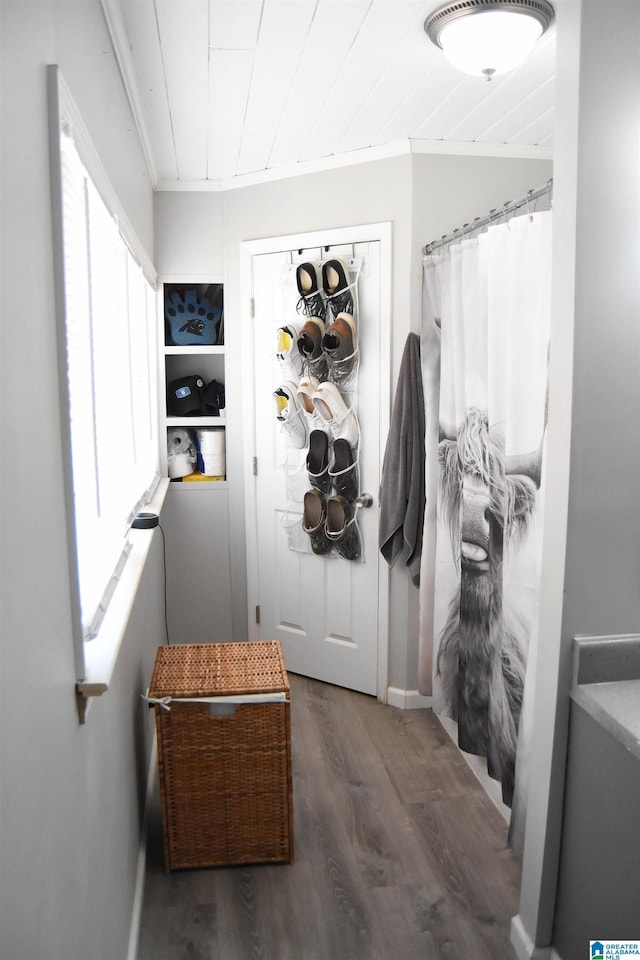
[{"x": 227, "y": 92}]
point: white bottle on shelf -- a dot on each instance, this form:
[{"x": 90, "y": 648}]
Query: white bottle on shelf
[{"x": 212, "y": 450}]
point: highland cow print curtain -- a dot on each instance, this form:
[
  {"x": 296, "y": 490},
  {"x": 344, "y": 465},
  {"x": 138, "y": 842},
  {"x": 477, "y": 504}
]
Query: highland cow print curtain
[{"x": 486, "y": 309}]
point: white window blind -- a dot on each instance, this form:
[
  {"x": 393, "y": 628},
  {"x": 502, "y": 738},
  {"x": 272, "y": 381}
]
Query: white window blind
[{"x": 111, "y": 372}]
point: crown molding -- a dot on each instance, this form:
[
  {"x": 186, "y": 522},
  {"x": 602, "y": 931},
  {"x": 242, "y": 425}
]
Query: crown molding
[
  {"x": 286, "y": 171},
  {"x": 365, "y": 155},
  {"x": 478, "y": 148},
  {"x": 117, "y": 31}
]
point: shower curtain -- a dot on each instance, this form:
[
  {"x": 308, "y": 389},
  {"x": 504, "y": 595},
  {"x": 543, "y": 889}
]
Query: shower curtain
[{"x": 485, "y": 337}]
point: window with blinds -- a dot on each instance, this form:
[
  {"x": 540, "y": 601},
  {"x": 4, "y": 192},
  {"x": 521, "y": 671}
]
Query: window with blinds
[{"x": 110, "y": 347}]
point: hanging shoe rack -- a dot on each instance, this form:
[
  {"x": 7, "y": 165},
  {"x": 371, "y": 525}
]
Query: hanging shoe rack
[{"x": 318, "y": 522}]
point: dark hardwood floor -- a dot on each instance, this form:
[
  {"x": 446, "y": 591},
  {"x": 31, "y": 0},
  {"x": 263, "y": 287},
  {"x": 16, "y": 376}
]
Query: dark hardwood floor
[{"x": 399, "y": 853}]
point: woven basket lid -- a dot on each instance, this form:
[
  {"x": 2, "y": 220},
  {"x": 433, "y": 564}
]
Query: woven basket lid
[{"x": 219, "y": 669}]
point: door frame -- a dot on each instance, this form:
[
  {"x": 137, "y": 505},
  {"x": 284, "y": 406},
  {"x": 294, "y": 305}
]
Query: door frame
[{"x": 371, "y": 232}]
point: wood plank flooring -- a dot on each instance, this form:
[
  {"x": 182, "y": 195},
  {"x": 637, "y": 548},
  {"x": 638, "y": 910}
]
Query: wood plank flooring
[{"x": 399, "y": 853}]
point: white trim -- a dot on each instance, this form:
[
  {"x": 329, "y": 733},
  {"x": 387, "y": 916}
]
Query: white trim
[
  {"x": 284, "y": 172},
  {"x": 549, "y": 733},
  {"x": 385, "y": 237},
  {"x": 360, "y": 233},
  {"x": 365, "y": 155},
  {"x": 141, "y": 869},
  {"x": 408, "y": 699},
  {"x": 372, "y": 232},
  {"x": 247, "y": 252},
  {"x": 520, "y": 939},
  {"x": 101, "y": 654},
  {"x": 94, "y": 661},
  {"x": 70, "y": 120},
  {"x": 476, "y": 148},
  {"x": 122, "y": 50},
  {"x": 54, "y": 108},
  {"x": 523, "y": 944},
  {"x": 384, "y": 581}
]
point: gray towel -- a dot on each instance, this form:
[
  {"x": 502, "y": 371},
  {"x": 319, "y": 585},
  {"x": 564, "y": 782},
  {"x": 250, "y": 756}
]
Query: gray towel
[{"x": 402, "y": 490}]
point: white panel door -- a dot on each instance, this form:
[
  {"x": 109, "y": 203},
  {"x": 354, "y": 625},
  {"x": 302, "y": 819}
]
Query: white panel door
[{"x": 324, "y": 610}]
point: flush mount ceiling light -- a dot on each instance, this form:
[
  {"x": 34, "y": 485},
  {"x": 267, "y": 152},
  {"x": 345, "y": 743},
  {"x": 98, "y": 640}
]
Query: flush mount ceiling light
[{"x": 488, "y": 37}]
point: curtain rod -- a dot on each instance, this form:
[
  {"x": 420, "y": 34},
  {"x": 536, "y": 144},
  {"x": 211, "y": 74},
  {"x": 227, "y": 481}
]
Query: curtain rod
[{"x": 508, "y": 208}]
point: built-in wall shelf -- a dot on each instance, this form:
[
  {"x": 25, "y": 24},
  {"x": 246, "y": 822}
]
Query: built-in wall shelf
[
  {"x": 192, "y": 368},
  {"x": 202, "y": 351},
  {"x": 194, "y": 422},
  {"x": 192, "y": 375},
  {"x": 189, "y": 487}
]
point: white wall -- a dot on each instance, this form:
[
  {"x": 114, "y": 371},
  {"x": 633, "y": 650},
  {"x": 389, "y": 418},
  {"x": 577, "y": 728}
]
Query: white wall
[
  {"x": 594, "y": 404},
  {"x": 423, "y": 197},
  {"x": 70, "y": 796}
]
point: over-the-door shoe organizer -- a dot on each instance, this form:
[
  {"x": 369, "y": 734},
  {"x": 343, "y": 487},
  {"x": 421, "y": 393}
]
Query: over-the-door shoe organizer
[{"x": 318, "y": 354}]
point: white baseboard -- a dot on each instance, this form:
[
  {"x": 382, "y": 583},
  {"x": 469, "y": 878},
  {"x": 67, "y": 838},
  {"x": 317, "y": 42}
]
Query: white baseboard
[
  {"x": 138, "y": 895},
  {"x": 407, "y": 699},
  {"x": 520, "y": 939},
  {"x": 524, "y": 947}
]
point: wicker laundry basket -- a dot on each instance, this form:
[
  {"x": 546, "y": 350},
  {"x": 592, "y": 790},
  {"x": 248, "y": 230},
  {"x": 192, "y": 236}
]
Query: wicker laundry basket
[{"x": 224, "y": 753}]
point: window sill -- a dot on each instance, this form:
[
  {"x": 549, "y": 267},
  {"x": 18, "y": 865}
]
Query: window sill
[{"x": 101, "y": 653}]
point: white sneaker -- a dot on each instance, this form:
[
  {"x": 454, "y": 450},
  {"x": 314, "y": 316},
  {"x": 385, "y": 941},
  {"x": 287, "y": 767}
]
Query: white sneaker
[
  {"x": 305, "y": 390},
  {"x": 338, "y": 417},
  {"x": 287, "y": 351},
  {"x": 289, "y": 414}
]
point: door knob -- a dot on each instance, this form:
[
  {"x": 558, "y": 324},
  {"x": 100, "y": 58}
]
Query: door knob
[{"x": 364, "y": 500}]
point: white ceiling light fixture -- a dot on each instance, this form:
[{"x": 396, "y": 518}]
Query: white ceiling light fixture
[{"x": 488, "y": 37}]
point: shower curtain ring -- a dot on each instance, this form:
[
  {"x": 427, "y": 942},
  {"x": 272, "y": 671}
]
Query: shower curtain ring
[{"x": 528, "y": 201}]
